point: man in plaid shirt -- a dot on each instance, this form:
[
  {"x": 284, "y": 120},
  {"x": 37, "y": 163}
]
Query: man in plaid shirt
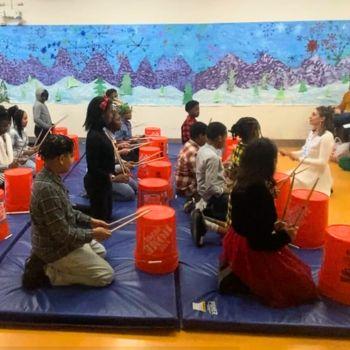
[
  {"x": 192, "y": 108},
  {"x": 186, "y": 184}
]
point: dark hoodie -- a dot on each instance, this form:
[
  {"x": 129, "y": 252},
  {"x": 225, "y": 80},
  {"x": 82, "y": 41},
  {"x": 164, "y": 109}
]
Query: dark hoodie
[{"x": 41, "y": 113}]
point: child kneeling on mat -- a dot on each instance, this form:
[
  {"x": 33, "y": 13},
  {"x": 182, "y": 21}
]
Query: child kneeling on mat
[{"x": 65, "y": 248}]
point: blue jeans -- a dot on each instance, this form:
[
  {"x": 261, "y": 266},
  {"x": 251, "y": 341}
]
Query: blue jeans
[
  {"x": 341, "y": 119},
  {"x": 125, "y": 192}
]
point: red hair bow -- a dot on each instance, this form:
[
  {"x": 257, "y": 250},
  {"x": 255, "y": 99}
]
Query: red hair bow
[{"x": 104, "y": 103}]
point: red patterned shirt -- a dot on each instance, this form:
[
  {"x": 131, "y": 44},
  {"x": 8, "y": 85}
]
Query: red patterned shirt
[
  {"x": 185, "y": 175},
  {"x": 185, "y": 128}
]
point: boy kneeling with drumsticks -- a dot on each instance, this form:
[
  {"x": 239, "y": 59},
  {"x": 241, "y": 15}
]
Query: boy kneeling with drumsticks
[{"x": 65, "y": 248}]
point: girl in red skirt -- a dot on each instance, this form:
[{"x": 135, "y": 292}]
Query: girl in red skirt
[{"x": 255, "y": 256}]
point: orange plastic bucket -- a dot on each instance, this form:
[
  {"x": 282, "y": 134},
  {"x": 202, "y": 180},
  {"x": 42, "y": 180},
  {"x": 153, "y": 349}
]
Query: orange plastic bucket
[
  {"x": 283, "y": 184},
  {"x": 4, "y": 226},
  {"x": 230, "y": 144},
  {"x": 156, "y": 248},
  {"x": 312, "y": 226},
  {"x": 152, "y": 131},
  {"x": 39, "y": 163},
  {"x": 60, "y": 130},
  {"x": 161, "y": 142},
  {"x": 161, "y": 169},
  {"x": 18, "y": 186},
  {"x": 147, "y": 152},
  {"x": 334, "y": 277},
  {"x": 75, "y": 139},
  {"x": 153, "y": 191}
]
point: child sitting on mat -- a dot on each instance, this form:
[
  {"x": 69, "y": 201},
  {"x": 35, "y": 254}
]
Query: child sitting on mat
[
  {"x": 192, "y": 108},
  {"x": 7, "y": 159},
  {"x": 122, "y": 192},
  {"x": 19, "y": 138},
  {"x": 65, "y": 250},
  {"x": 185, "y": 175},
  {"x": 124, "y": 135},
  {"x": 211, "y": 185},
  {"x": 255, "y": 256}
]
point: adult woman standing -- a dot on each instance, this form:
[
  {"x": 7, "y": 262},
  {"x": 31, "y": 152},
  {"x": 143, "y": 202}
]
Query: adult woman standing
[{"x": 316, "y": 152}]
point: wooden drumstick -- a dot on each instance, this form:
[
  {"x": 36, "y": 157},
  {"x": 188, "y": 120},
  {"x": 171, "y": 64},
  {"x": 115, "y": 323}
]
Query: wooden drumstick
[
  {"x": 151, "y": 161},
  {"x": 51, "y": 127},
  {"x": 124, "y": 218},
  {"x": 288, "y": 198},
  {"x": 296, "y": 222},
  {"x": 215, "y": 221},
  {"x": 137, "y": 125},
  {"x": 139, "y": 145},
  {"x": 148, "y": 157},
  {"x": 116, "y": 152},
  {"x": 131, "y": 220},
  {"x": 37, "y": 139}
]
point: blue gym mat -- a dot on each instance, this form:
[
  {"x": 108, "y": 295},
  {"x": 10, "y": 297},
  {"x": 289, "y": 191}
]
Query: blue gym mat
[
  {"x": 17, "y": 225},
  {"x": 198, "y": 291},
  {"x": 134, "y": 299}
]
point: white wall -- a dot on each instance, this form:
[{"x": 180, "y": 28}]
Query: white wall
[{"x": 279, "y": 122}]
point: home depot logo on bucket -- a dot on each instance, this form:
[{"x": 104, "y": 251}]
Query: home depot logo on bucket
[
  {"x": 345, "y": 272},
  {"x": 158, "y": 240}
]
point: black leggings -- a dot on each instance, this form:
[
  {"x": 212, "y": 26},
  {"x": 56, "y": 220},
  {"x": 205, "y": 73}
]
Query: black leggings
[
  {"x": 217, "y": 207},
  {"x": 101, "y": 199}
]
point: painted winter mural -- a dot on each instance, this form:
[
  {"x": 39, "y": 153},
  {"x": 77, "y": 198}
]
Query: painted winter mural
[{"x": 233, "y": 63}]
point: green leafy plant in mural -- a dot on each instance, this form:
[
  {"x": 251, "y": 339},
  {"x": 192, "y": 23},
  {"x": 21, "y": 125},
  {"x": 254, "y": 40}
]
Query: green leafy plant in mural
[
  {"x": 231, "y": 80},
  {"x": 280, "y": 94},
  {"x": 58, "y": 96},
  {"x": 3, "y": 92},
  {"x": 256, "y": 91},
  {"x": 188, "y": 94},
  {"x": 162, "y": 91},
  {"x": 100, "y": 87},
  {"x": 72, "y": 83},
  {"x": 217, "y": 97},
  {"x": 302, "y": 87},
  {"x": 126, "y": 87},
  {"x": 345, "y": 79}
]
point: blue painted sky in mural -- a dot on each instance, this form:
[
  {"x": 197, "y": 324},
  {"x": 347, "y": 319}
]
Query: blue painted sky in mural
[{"x": 201, "y": 45}]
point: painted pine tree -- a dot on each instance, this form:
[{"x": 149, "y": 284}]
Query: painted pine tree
[
  {"x": 188, "y": 94},
  {"x": 126, "y": 87},
  {"x": 58, "y": 96},
  {"x": 100, "y": 87},
  {"x": 162, "y": 91},
  {"x": 302, "y": 87},
  {"x": 231, "y": 80},
  {"x": 256, "y": 91},
  {"x": 345, "y": 78},
  {"x": 280, "y": 94},
  {"x": 3, "y": 92},
  {"x": 217, "y": 97}
]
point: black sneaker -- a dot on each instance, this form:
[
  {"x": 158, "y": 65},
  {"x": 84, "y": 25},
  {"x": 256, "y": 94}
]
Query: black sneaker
[
  {"x": 198, "y": 227},
  {"x": 34, "y": 276}
]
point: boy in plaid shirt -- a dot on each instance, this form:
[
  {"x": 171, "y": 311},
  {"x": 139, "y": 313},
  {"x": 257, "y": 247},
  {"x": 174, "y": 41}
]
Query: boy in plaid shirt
[
  {"x": 192, "y": 108},
  {"x": 185, "y": 175}
]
